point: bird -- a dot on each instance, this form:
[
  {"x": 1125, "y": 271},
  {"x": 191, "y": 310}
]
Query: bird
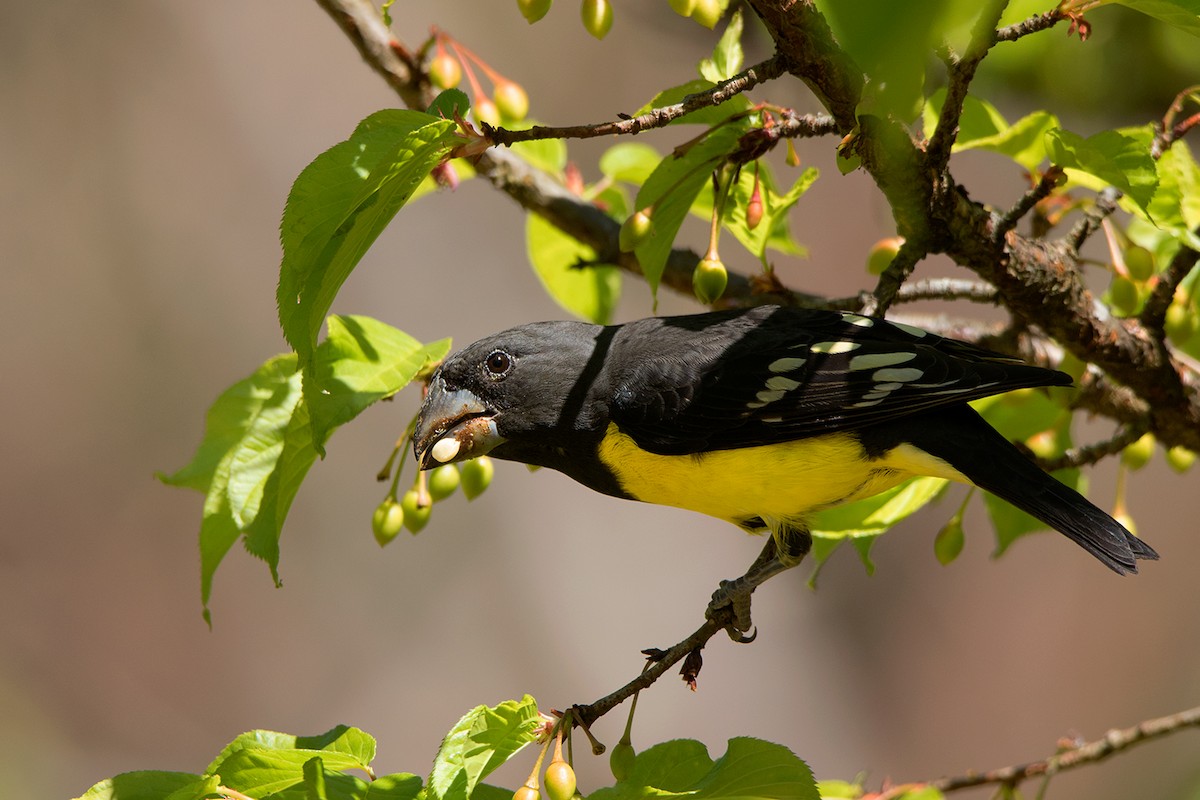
[{"x": 760, "y": 417}]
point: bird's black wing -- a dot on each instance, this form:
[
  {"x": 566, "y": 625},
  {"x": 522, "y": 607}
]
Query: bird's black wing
[{"x": 769, "y": 374}]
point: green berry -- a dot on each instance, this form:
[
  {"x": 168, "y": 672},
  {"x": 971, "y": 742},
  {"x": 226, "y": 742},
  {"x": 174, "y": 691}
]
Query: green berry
[
  {"x": 597, "y": 17},
  {"x": 882, "y": 253},
  {"x": 683, "y": 8},
  {"x": 559, "y": 780},
  {"x": 443, "y": 481},
  {"x": 620, "y": 760},
  {"x": 1139, "y": 262},
  {"x": 387, "y": 521},
  {"x": 533, "y": 10},
  {"x": 1123, "y": 296},
  {"x": 1137, "y": 455},
  {"x": 707, "y": 13},
  {"x": 635, "y": 230},
  {"x": 1181, "y": 322},
  {"x": 709, "y": 280},
  {"x": 1126, "y": 521},
  {"x": 416, "y": 517},
  {"x": 949, "y": 541},
  {"x": 477, "y": 476},
  {"x": 511, "y": 100},
  {"x": 445, "y": 71},
  {"x": 1180, "y": 459},
  {"x": 485, "y": 111}
]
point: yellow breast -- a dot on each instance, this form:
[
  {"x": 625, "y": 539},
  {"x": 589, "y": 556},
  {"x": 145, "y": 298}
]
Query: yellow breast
[{"x": 784, "y": 482}]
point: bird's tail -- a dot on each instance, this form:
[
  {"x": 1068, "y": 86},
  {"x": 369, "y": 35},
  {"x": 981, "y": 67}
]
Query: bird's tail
[{"x": 963, "y": 439}]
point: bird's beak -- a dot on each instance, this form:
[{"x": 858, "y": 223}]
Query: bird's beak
[{"x": 453, "y": 426}]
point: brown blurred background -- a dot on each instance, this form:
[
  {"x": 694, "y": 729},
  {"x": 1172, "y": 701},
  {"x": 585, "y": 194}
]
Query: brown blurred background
[{"x": 145, "y": 152}]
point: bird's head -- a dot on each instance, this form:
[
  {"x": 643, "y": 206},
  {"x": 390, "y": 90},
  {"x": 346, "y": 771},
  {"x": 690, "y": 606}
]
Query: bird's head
[{"x": 508, "y": 393}]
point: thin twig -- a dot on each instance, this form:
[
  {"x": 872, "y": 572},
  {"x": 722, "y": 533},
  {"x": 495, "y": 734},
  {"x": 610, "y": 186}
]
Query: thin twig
[
  {"x": 961, "y": 73},
  {"x": 663, "y": 661},
  {"x": 1034, "y": 24},
  {"x": 929, "y": 289},
  {"x": 1091, "y": 453},
  {"x": 1154, "y": 312},
  {"x": 1113, "y": 742},
  {"x": 745, "y": 80},
  {"x": 887, "y": 290},
  {"x": 1106, "y": 205},
  {"x": 1008, "y": 220}
]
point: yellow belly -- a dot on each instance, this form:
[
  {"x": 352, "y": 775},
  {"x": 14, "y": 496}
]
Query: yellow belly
[{"x": 781, "y": 482}]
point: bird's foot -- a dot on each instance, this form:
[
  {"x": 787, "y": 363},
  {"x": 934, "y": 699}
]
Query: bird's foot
[{"x": 733, "y": 598}]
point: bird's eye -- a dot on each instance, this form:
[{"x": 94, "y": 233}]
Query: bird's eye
[{"x": 498, "y": 364}]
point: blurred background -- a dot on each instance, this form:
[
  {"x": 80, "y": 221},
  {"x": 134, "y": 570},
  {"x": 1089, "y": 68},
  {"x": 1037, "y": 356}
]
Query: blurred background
[{"x": 146, "y": 149}]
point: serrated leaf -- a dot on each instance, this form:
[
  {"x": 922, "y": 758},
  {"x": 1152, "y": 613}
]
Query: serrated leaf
[
  {"x": 839, "y": 790},
  {"x": 631, "y": 162},
  {"x": 150, "y": 785},
  {"x": 340, "y": 203},
  {"x": 361, "y": 361},
  {"x": 353, "y": 743},
  {"x": 261, "y": 763},
  {"x": 448, "y": 103},
  {"x": 1181, "y": 14},
  {"x": 708, "y": 115},
  {"x": 671, "y": 189},
  {"x": 1176, "y": 204},
  {"x": 479, "y": 743},
  {"x": 1118, "y": 158},
  {"x": 256, "y": 450},
  {"x": 462, "y": 169},
  {"x": 590, "y": 292},
  {"x": 727, "y": 56},
  {"x": 750, "y": 769}
]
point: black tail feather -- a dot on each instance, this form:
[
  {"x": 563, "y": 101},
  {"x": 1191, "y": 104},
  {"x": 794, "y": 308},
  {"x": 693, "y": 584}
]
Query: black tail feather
[{"x": 964, "y": 440}]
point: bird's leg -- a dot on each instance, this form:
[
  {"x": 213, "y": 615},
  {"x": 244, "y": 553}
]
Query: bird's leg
[{"x": 786, "y": 548}]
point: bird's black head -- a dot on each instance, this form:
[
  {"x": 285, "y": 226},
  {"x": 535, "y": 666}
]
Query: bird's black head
[{"x": 513, "y": 392}]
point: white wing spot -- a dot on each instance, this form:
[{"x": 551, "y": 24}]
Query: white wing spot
[
  {"x": 772, "y": 419},
  {"x": 860, "y": 321},
  {"x": 833, "y": 348},
  {"x": 877, "y": 360},
  {"x": 779, "y": 382},
  {"x": 903, "y": 374},
  {"x": 909, "y": 329},
  {"x": 866, "y": 403},
  {"x": 770, "y": 395},
  {"x": 786, "y": 364}
]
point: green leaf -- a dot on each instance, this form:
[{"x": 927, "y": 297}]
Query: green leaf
[
  {"x": 863, "y": 521},
  {"x": 632, "y": 162},
  {"x": 707, "y": 115},
  {"x": 727, "y": 56},
  {"x": 591, "y": 291},
  {"x": 893, "y": 42},
  {"x": 400, "y": 786},
  {"x": 340, "y": 203},
  {"x": 774, "y": 230},
  {"x": 1181, "y": 14},
  {"x": 479, "y": 743},
  {"x": 361, "y": 361},
  {"x": 448, "y": 103},
  {"x": 1176, "y": 205},
  {"x": 671, "y": 189},
  {"x": 151, "y": 785},
  {"x": 256, "y": 450},
  {"x": 1118, "y": 158},
  {"x": 839, "y": 790},
  {"x": 462, "y": 169},
  {"x": 260, "y": 763},
  {"x": 751, "y": 769},
  {"x": 982, "y": 127}
]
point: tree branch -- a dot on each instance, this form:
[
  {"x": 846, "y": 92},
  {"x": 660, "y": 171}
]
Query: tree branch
[
  {"x": 745, "y": 80},
  {"x": 1113, "y": 742}
]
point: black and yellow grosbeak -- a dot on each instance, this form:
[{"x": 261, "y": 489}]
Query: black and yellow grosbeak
[{"x": 759, "y": 417}]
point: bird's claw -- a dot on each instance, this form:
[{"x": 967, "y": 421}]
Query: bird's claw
[{"x": 735, "y": 596}]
